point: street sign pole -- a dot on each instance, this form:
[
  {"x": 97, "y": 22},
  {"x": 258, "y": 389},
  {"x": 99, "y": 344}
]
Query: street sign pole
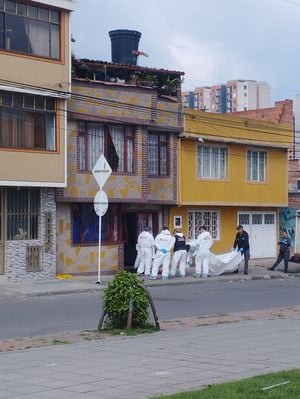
[
  {"x": 101, "y": 172},
  {"x": 99, "y": 253},
  {"x": 100, "y": 206}
]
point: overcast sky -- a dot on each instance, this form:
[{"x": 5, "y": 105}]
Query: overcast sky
[{"x": 212, "y": 41}]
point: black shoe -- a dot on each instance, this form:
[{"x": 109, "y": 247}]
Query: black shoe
[
  {"x": 246, "y": 273},
  {"x": 271, "y": 268},
  {"x": 236, "y": 271}
]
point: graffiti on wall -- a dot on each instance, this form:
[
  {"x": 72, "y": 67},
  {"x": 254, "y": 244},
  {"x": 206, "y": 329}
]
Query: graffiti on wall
[{"x": 287, "y": 217}]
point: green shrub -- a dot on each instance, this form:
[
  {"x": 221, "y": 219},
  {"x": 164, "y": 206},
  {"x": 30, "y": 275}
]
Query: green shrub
[{"x": 117, "y": 296}]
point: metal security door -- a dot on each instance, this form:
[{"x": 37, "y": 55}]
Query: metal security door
[{"x": 261, "y": 227}]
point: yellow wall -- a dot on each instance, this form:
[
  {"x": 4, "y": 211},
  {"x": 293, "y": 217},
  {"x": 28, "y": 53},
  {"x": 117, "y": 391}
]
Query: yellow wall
[
  {"x": 228, "y": 223},
  {"x": 235, "y": 189},
  {"x": 231, "y": 128}
]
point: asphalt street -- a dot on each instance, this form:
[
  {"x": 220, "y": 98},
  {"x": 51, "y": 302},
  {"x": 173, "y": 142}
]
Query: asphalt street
[{"x": 27, "y": 316}]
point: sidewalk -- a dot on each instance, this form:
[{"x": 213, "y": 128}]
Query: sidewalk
[
  {"x": 257, "y": 270},
  {"x": 148, "y": 365}
]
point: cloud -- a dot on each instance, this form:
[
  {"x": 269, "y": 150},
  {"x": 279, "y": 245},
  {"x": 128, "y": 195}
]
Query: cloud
[{"x": 204, "y": 62}]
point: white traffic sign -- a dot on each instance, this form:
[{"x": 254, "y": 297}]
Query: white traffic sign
[
  {"x": 101, "y": 171},
  {"x": 101, "y": 203}
]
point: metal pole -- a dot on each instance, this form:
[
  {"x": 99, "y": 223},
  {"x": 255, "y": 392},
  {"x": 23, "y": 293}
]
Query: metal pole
[{"x": 99, "y": 253}]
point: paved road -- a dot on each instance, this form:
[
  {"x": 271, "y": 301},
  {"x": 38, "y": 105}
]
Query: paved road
[{"x": 42, "y": 315}]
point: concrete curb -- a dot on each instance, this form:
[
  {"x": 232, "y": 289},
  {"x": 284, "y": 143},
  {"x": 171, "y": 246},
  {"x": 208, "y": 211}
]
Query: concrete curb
[{"x": 52, "y": 288}]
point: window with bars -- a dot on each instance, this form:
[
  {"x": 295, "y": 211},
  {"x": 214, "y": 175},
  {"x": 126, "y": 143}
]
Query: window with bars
[
  {"x": 212, "y": 162},
  {"x": 116, "y": 142},
  {"x": 157, "y": 154},
  {"x": 256, "y": 165},
  {"x": 210, "y": 219},
  {"x": 23, "y": 207},
  {"x": 30, "y": 29},
  {"x": 86, "y": 225},
  {"x": 27, "y": 121}
]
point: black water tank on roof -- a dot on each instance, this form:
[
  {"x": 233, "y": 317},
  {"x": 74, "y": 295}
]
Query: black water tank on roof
[{"x": 123, "y": 42}]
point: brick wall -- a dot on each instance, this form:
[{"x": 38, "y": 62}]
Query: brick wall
[
  {"x": 294, "y": 200},
  {"x": 293, "y": 174},
  {"x": 282, "y": 112}
]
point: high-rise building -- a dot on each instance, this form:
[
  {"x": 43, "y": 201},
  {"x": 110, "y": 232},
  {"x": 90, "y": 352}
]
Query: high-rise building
[
  {"x": 235, "y": 95},
  {"x": 244, "y": 95},
  {"x": 202, "y": 98},
  {"x": 218, "y": 99}
]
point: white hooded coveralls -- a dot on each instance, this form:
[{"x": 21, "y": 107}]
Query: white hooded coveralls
[
  {"x": 164, "y": 243},
  {"x": 203, "y": 242},
  {"x": 145, "y": 252}
]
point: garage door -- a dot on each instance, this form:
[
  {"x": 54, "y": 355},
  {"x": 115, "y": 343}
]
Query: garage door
[{"x": 261, "y": 227}]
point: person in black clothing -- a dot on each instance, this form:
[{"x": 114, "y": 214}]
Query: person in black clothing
[
  {"x": 241, "y": 242},
  {"x": 284, "y": 252},
  {"x": 179, "y": 254}
]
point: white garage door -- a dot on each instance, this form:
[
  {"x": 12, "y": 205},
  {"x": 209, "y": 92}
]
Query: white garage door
[{"x": 261, "y": 227}]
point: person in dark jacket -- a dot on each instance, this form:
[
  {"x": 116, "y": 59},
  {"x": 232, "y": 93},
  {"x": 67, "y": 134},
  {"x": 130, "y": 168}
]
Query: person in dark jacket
[
  {"x": 179, "y": 254},
  {"x": 284, "y": 251},
  {"x": 241, "y": 242}
]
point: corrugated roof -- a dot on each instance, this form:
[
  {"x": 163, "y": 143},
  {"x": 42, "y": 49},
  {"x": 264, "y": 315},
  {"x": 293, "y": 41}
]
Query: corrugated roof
[{"x": 113, "y": 65}]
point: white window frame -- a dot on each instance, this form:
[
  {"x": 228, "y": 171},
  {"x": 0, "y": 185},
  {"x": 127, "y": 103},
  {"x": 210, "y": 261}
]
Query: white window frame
[
  {"x": 222, "y": 169},
  {"x": 251, "y": 163},
  {"x": 194, "y": 225}
]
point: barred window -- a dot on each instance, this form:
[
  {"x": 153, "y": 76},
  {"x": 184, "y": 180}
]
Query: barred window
[
  {"x": 158, "y": 154},
  {"x": 27, "y": 121},
  {"x": 256, "y": 165},
  {"x": 22, "y": 213},
  {"x": 210, "y": 219},
  {"x": 212, "y": 162},
  {"x": 114, "y": 141}
]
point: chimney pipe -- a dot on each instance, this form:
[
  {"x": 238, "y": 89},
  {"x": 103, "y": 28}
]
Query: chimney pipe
[{"x": 123, "y": 43}]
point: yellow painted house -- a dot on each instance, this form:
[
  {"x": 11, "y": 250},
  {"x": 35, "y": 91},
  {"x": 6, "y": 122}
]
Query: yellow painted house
[{"x": 233, "y": 170}]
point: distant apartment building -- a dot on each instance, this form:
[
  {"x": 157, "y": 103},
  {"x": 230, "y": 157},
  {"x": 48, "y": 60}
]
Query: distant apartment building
[
  {"x": 244, "y": 95},
  {"x": 202, "y": 98},
  {"x": 218, "y": 99},
  {"x": 188, "y": 99},
  {"x": 234, "y": 96}
]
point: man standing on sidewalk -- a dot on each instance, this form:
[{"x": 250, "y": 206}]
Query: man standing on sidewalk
[
  {"x": 179, "y": 254},
  {"x": 164, "y": 242},
  {"x": 203, "y": 242},
  {"x": 284, "y": 252},
  {"x": 241, "y": 242},
  {"x": 146, "y": 252}
]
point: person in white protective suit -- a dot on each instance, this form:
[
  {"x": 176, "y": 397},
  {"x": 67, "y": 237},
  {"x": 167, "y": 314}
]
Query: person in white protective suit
[
  {"x": 164, "y": 242},
  {"x": 203, "y": 242},
  {"x": 179, "y": 254},
  {"x": 145, "y": 248}
]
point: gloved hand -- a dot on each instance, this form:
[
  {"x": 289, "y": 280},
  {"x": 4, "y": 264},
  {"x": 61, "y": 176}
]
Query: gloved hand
[
  {"x": 164, "y": 251},
  {"x": 241, "y": 250}
]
